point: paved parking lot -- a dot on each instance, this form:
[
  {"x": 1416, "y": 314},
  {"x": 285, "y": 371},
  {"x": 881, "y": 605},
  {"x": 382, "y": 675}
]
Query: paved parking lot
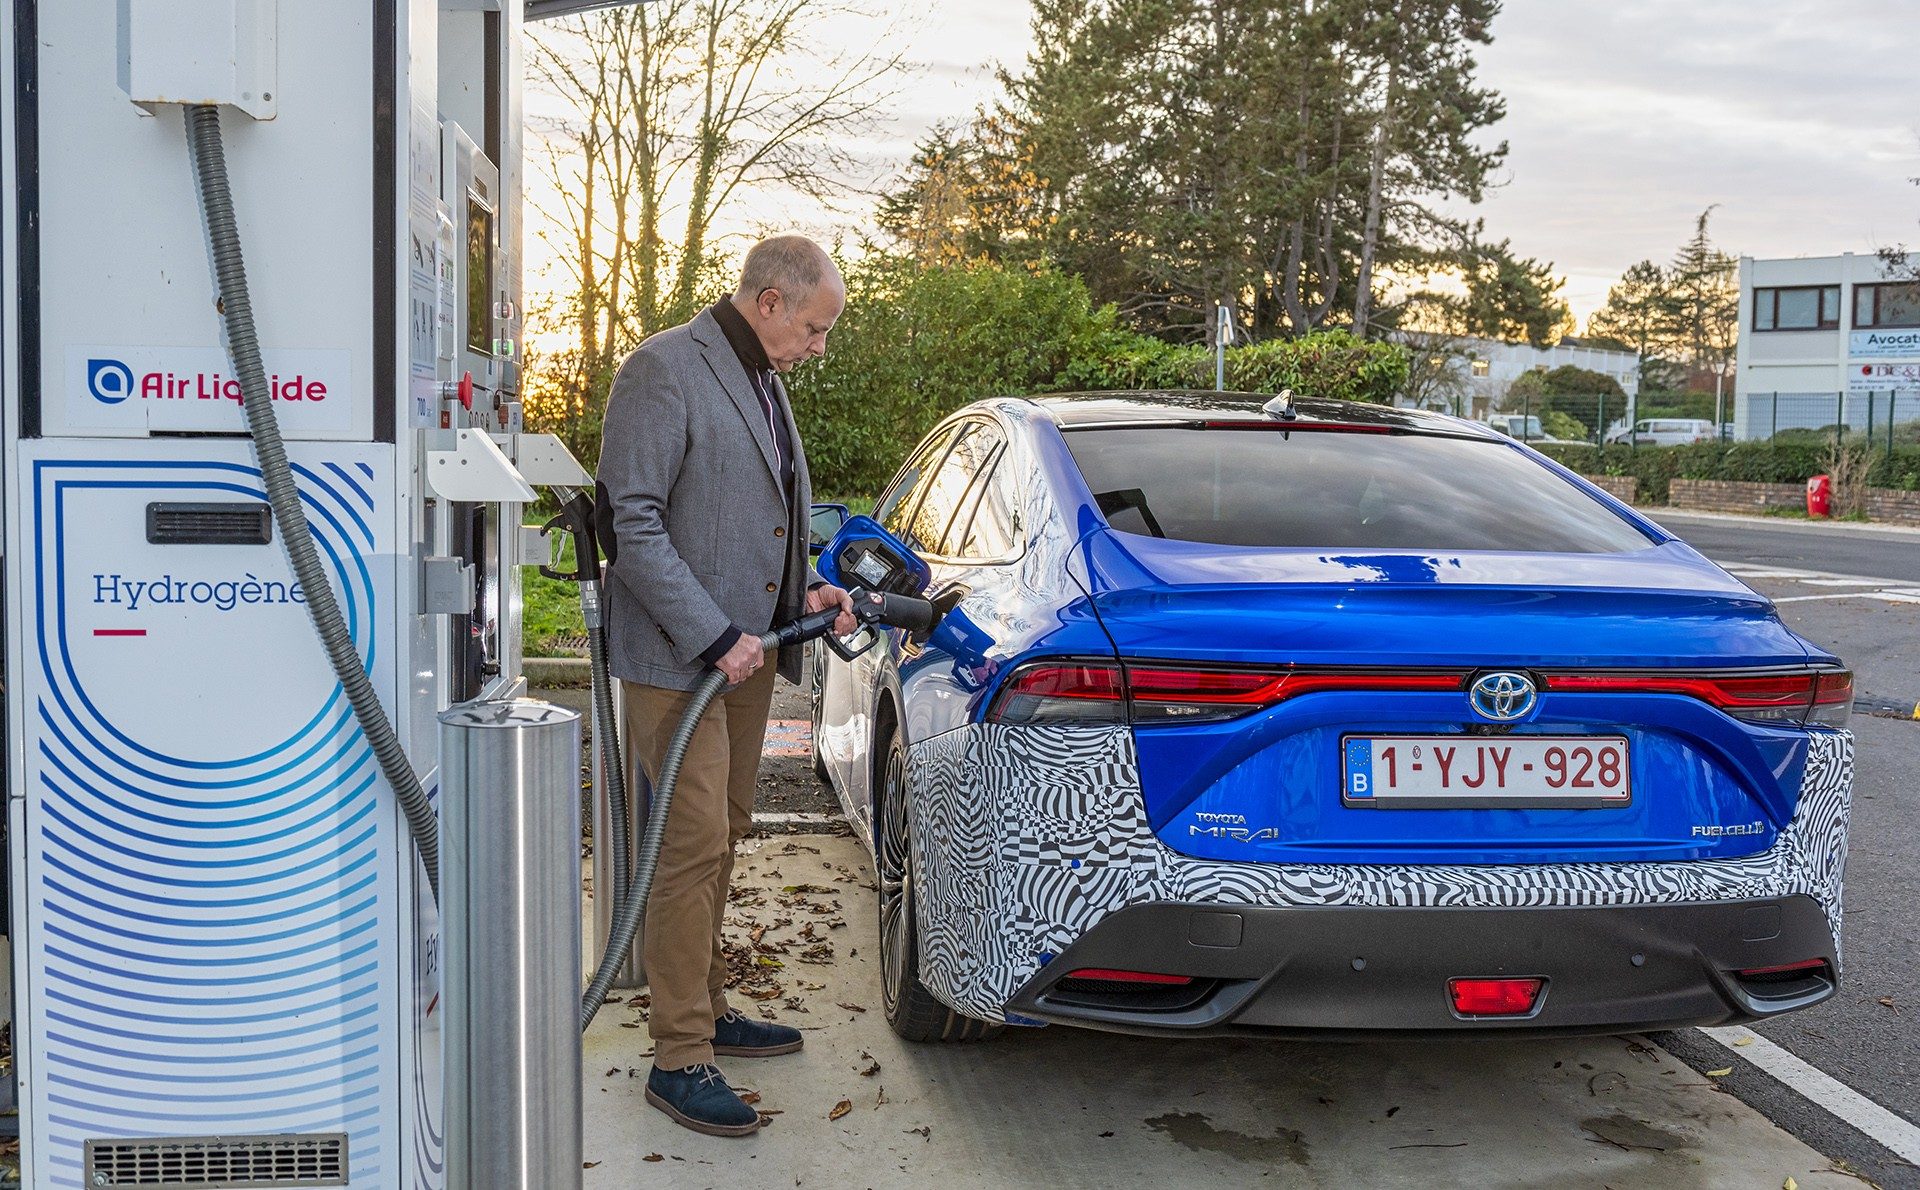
[{"x": 1073, "y": 1108}]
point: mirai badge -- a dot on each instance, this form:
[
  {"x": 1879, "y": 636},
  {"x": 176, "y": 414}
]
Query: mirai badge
[{"x": 1503, "y": 697}]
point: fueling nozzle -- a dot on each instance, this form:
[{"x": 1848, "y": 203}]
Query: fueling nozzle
[{"x": 870, "y": 608}]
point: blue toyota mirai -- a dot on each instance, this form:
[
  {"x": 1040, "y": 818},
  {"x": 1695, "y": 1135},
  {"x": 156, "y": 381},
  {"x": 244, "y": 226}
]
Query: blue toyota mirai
[{"x": 1264, "y": 716}]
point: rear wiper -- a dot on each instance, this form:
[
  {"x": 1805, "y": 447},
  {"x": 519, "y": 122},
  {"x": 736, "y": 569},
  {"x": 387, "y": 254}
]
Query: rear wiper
[{"x": 1124, "y": 499}]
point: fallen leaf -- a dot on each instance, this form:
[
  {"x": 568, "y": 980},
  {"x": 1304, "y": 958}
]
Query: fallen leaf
[
  {"x": 611, "y": 1071},
  {"x": 653, "y": 1157},
  {"x": 1744, "y": 1041},
  {"x": 881, "y": 1098},
  {"x": 871, "y": 1070},
  {"x": 924, "y": 1132},
  {"x": 1789, "y": 1184},
  {"x": 1887, "y": 1001},
  {"x": 1721, "y": 1073},
  {"x": 1105, "y": 1135},
  {"x": 588, "y": 1164},
  {"x": 749, "y": 1096},
  {"x": 840, "y": 1109},
  {"x": 629, "y": 1024}
]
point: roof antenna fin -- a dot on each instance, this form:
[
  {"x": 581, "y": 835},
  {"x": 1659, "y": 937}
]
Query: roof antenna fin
[{"x": 1281, "y": 406}]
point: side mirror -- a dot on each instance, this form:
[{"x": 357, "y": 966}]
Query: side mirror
[
  {"x": 864, "y": 554},
  {"x": 825, "y": 522}
]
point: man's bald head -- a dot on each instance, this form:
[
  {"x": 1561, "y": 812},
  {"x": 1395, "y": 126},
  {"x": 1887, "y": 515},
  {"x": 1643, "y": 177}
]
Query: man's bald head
[
  {"x": 790, "y": 293},
  {"x": 794, "y": 265}
]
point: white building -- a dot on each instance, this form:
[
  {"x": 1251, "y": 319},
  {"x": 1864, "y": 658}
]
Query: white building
[
  {"x": 1483, "y": 369},
  {"x": 1825, "y": 340}
]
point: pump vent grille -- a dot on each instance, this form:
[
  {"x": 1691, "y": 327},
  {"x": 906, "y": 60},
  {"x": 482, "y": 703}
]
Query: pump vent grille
[
  {"x": 209, "y": 524},
  {"x": 222, "y": 1162}
]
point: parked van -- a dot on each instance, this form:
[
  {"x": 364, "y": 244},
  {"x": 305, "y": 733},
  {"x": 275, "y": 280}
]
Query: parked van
[{"x": 1665, "y": 431}]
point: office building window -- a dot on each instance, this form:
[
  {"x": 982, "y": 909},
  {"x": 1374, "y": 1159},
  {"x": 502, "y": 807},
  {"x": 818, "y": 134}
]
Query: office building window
[
  {"x": 1894, "y": 303},
  {"x": 1801, "y": 308}
]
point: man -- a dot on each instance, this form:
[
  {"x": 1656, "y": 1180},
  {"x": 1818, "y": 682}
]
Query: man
[{"x": 707, "y": 488}]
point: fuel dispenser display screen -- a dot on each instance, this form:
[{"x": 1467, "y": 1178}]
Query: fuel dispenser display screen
[{"x": 479, "y": 275}]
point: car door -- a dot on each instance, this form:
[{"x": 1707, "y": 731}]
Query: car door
[{"x": 843, "y": 734}]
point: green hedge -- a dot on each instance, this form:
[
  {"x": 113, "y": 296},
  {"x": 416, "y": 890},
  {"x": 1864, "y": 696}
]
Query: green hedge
[
  {"x": 917, "y": 343},
  {"x": 1755, "y": 462}
]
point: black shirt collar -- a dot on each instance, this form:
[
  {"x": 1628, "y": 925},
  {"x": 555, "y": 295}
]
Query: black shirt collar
[{"x": 740, "y": 336}]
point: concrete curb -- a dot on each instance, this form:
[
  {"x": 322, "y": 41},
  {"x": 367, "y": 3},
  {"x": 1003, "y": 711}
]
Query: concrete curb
[
  {"x": 558, "y": 671},
  {"x": 1657, "y": 511}
]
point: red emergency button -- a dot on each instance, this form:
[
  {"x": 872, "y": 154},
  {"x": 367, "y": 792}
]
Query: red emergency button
[{"x": 466, "y": 391}]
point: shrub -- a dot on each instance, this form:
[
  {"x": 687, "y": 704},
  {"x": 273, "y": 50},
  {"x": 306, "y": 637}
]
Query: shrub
[
  {"x": 916, "y": 344},
  {"x": 1754, "y": 462}
]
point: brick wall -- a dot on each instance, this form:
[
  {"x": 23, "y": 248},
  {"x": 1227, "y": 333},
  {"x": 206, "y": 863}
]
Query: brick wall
[
  {"x": 1620, "y": 487},
  {"x": 1729, "y": 495},
  {"x": 1893, "y": 506}
]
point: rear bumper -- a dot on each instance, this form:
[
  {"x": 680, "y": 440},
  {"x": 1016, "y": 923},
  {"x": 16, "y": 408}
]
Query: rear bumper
[{"x": 1365, "y": 971}]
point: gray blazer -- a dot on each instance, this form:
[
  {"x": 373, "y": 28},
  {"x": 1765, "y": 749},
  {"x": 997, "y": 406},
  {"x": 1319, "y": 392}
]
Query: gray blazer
[{"x": 703, "y": 535}]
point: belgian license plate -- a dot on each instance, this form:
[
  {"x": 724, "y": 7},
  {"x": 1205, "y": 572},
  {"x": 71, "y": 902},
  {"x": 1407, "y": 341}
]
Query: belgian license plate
[{"x": 1486, "y": 772}]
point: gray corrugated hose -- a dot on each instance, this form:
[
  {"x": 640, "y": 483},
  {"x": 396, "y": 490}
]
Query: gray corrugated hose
[
  {"x": 223, "y": 234},
  {"x": 632, "y": 901}
]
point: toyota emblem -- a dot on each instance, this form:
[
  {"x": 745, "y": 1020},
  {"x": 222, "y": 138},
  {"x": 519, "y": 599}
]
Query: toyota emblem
[{"x": 1503, "y": 697}]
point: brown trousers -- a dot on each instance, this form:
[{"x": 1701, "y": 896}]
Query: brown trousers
[{"x": 712, "y": 811}]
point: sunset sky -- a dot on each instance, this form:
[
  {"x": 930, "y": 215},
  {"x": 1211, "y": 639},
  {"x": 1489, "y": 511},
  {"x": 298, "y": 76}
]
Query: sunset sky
[{"x": 1625, "y": 120}]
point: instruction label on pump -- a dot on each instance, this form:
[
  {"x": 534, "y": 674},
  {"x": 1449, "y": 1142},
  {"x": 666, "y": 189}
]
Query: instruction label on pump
[{"x": 135, "y": 389}]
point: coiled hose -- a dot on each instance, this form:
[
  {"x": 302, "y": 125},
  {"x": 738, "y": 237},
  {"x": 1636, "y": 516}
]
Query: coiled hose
[
  {"x": 632, "y": 904},
  {"x": 243, "y": 343}
]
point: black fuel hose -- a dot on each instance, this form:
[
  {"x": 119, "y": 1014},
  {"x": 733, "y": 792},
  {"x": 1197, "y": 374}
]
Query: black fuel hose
[{"x": 243, "y": 343}]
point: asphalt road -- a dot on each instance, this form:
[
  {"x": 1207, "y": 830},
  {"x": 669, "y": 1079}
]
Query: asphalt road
[
  {"x": 1867, "y": 1037},
  {"x": 1838, "y": 548}
]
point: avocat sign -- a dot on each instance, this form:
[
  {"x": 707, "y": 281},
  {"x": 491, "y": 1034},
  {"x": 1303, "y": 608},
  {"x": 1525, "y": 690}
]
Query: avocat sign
[{"x": 1895, "y": 344}]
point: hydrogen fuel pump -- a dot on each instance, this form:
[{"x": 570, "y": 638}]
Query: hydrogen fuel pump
[{"x": 261, "y": 550}]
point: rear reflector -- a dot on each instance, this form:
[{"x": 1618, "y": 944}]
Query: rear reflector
[
  {"x": 1782, "y": 969},
  {"x": 1113, "y": 976},
  {"x": 1821, "y": 697},
  {"x": 1494, "y": 997}
]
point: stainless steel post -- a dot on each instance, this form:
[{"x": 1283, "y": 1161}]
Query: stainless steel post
[
  {"x": 510, "y": 891},
  {"x": 631, "y": 975}
]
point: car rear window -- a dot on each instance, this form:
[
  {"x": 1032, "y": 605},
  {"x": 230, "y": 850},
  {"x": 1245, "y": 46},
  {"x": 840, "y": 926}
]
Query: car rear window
[{"x": 1339, "y": 490}]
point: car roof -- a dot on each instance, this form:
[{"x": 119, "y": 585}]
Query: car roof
[{"x": 1188, "y": 406}]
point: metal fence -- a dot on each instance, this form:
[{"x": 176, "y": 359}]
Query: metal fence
[{"x": 1885, "y": 419}]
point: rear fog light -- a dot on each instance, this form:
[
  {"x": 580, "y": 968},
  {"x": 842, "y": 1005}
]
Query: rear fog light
[{"x": 1494, "y": 997}]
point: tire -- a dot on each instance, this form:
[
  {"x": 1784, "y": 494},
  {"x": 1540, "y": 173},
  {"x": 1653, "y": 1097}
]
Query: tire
[{"x": 912, "y": 1011}]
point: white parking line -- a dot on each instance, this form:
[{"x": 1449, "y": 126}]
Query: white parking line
[{"x": 1895, "y": 1132}]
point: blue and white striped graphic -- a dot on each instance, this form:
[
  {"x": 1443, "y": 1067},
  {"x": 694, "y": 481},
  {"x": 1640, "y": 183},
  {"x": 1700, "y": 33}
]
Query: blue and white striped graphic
[{"x": 211, "y": 851}]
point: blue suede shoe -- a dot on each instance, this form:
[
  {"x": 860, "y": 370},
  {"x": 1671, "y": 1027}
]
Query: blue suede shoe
[
  {"x": 699, "y": 1098},
  {"x": 737, "y": 1037}
]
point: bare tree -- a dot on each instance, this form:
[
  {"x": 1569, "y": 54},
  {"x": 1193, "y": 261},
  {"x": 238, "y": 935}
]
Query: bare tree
[{"x": 669, "y": 113}]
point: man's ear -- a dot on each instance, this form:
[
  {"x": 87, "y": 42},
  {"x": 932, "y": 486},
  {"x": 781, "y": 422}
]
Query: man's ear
[{"x": 769, "y": 302}]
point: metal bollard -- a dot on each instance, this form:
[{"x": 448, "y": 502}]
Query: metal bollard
[
  {"x": 631, "y": 974},
  {"x": 510, "y": 887}
]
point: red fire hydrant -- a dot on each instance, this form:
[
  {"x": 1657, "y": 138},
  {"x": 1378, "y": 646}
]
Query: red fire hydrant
[{"x": 1820, "y": 496}]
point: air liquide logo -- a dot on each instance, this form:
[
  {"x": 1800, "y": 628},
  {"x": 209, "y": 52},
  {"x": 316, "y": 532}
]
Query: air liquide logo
[
  {"x": 117, "y": 386},
  {"x": 109, "y": 380}
]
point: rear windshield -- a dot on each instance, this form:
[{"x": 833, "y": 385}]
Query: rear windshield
[{"x": 1339, "y": 490}]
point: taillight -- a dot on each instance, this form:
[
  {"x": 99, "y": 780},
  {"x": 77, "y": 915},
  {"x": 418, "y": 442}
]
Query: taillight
[
  {"x": 1069, "y": 692},
  {"x": 1823, "y": 698},
  {"x": 1094, "y": 692}
]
